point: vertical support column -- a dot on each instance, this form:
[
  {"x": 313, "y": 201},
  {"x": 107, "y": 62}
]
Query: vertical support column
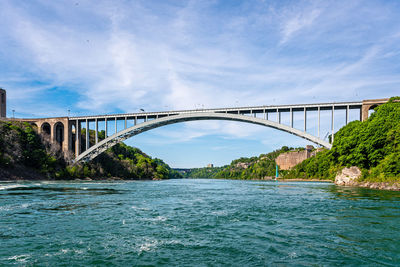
[
  {"x": 319, "y": 121},
  {"x": 145, "y": 119},
  {"x": 78, "y": 138},
  {"x": 115, "y": 125},
  {"x": 126, "y": 122},
  {"x": 347, "y": 114},
  {"x": 361, "y": 114},
  {"x": 135, "y": 121},
  {"x": 52, "y": 132},
  {"x": 105, "y": 127},
  {"x": 267, "y": 113},
  {"x": 87, "y": 135},
  {"x": 277, "y": 115},
  {"x": 305, "y": 119},
  {"x": 291, "y": 117},
  {"x": 333, "y": 123},
  {"x": 264, "y": 115},
  {"x": 69, "y": 135},
  {"x": 96, "y": 131}
]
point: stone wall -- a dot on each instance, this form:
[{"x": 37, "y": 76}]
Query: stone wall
[{"x": 290, "y": 159}]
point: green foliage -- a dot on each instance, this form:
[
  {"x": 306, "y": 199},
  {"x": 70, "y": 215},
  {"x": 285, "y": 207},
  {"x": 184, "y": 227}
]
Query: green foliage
[
  {"x": 124, "y": 162},
  {"x": 21, "y": 146},
  {"x": 243, "y": 168},
  {"x": 372, "y": 145}
]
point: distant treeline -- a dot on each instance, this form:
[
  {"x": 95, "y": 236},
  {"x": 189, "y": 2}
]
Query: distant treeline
[{"x": 206, "y": 172}]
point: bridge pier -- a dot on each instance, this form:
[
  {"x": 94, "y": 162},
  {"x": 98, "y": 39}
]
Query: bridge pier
[
  {"x": 96, "y": 131},
  {"x": 87, "y": 145},
  {"x": 333, "y": 123},
  {"x": 78, "y": 138},
  {"x": 105, "y": 127},
  {"x": 319, "y": 122}
]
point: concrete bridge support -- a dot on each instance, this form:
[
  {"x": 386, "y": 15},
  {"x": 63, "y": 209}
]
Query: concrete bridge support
[{"x": 367, "y": 105}]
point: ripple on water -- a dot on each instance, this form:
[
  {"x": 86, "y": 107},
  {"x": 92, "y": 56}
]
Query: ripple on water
[{"x": 197, "y": 222}]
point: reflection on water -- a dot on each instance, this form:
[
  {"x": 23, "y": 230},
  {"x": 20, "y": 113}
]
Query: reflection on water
[
  {"x": 355, "y": 193},
  {"x": 197, "y": 222}
]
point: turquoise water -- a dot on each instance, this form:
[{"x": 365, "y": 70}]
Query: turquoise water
[{"x": 197, "y": 223}]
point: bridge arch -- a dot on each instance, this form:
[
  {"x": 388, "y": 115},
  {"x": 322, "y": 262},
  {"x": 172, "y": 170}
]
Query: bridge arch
[
  {"x": 58, "y": 133},
  {"x": 118, "y": 137},
  {"x": 45, "y": 128}
]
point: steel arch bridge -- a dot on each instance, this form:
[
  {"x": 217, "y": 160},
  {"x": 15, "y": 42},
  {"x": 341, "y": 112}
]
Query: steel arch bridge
[
  {"x": 110, "y": 141},
  {"x": 67, "y": 131}
]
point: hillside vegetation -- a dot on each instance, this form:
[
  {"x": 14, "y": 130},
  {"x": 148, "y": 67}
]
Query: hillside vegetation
[
  {"x": 372, "y": 145},
  {"x": 25, "y": 154},
  {"x": 261, "y": 167}
]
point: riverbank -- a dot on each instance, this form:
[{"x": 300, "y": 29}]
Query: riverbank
[
  {"x": 369, "y": 185},
  {"x": 305, "y": 180},
  {"x": 20, "y": 174}
]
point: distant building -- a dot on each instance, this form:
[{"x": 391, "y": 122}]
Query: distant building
[
  {"x": 210, "y": 165},
  {"x": 3, "y": 103}
]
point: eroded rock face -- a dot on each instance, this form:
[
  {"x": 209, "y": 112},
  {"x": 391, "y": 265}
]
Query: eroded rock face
[{"x": 348, "y": 176}]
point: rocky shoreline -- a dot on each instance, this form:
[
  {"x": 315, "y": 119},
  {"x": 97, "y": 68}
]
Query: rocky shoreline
[
  {"x": 350, "y": 177},
  {"x": 380, "y": 186}
]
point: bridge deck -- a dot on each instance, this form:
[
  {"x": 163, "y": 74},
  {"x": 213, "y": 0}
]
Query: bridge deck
[{"x": 238, "y": 110}]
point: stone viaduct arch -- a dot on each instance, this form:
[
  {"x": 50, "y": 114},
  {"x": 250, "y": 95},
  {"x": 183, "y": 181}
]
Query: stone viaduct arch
[
  {"x": 45, "y": 129},
  {"x": 57, "y": 130}
]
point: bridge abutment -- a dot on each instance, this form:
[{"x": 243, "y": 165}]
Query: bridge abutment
[{"x": 367, "y": 105}]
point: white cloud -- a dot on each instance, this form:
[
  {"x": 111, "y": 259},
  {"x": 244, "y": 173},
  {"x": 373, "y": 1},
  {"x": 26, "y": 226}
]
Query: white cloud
[
  {"x": 297, "y": 22},
  {"x": 122, "y": 56}
]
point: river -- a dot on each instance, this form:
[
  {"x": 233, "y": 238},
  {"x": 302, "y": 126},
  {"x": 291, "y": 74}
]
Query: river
[{"x": 197, "y": 222}]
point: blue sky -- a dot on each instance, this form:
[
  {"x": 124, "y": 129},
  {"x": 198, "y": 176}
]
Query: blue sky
[{"x": 97, "y": 57}]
